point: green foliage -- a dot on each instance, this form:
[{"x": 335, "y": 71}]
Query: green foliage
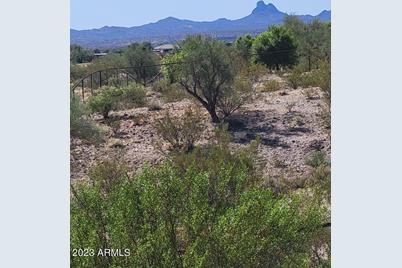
[
  {"x": 317, "y": 159},
  {"x": 171, "y": 66},
  {"x": 275, "y": 48},
  {"x": 207, "y": 215},
  {"x": 102, "y": 102},
  {"x": 112, "y": 98},
  {"x": 243, "y": 46},
  {"x": 295, "y": 78},
  {"x": 314, "y": 40},
  {"x": 320, "y": 77},
  {"x": 77, "y": 72},
  {"x": 254, "y": 72},
  {"x": 206, "y": 71},
  {"x": 140, "y": 55},
  {"x": 79, "y": 54},
  {"x": 234, "y": 96},
  {"x": 80, "y": 125},
  {"x": 181, "y": 132},
  {"x": 275, "y": 231},
  {"x": 170, "y": 92}
]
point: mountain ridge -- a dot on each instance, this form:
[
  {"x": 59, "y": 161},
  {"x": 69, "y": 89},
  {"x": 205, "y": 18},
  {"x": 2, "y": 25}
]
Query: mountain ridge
[{"x": 171, "y": 29}]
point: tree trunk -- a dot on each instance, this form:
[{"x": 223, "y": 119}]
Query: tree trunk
[{"x": 214, "y": 116}]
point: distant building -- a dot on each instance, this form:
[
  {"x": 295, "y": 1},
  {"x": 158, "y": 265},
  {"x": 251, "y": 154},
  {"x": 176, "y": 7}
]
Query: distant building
[
  {"x": 99, "y": 55},
  {"x": 164, "y": 49}
]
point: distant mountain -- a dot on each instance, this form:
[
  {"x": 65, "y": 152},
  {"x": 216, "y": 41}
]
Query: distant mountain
[{"x": 171, "y": 30}]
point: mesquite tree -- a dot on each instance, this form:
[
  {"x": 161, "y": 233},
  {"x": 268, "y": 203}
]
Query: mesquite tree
[{"x": 206, "y": 71}]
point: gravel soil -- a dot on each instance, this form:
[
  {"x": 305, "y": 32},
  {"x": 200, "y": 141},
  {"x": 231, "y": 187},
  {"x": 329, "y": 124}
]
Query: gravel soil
[{"x": 287, "y": 121}]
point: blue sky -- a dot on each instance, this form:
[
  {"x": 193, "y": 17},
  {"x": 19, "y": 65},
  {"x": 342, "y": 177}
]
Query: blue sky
[{"x": 88, "y": 14}]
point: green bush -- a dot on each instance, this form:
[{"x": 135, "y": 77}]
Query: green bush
[
  {"x": 275, "y": 231},
  {"x": 295, "y": 79},
  {"x": 112, "y": 98},
  {"x": 102, "y": 102},
  {"x": 80, "y": 124},
  {"x": 317, "y": 159},
  {"x": 171, "y": 92},
  {"x": 169, "y": 217},
  {"x": 234, "y": 97},
  {"x": 320, "y": 77},
  {"x": 181, "y": 132}
]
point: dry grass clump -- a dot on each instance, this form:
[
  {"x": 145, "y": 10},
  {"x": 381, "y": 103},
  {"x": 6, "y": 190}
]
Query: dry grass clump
[{"x": 271, "y": 86}]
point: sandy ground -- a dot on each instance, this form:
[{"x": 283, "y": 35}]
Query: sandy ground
[{"x": 286, "y": 120}]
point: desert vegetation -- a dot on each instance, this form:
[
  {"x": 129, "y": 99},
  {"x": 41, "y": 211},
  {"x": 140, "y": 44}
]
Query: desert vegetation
[{"x": 222, "y": 160}]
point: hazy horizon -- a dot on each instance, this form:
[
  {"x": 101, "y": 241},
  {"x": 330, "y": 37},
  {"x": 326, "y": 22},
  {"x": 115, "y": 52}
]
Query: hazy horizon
[{"x": 92, "y": 14}]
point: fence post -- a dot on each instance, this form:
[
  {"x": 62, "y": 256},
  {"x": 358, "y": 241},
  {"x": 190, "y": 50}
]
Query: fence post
[
  {"x": 127, "y": 78},
  {"x": 92, "y": 92},
  {"x": 100, "y": 78},
  {"x": 82, "y": 88}
]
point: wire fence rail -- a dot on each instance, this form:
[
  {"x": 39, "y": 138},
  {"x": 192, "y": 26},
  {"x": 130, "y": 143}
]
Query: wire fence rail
[{"x": 122, "y": 76}]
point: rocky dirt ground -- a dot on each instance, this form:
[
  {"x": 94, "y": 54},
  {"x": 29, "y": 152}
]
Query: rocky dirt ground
[{"x": 287, "y": 121}]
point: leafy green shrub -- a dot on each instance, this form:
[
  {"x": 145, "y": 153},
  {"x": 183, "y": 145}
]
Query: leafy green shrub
[
  {"x": 80, "y": 125},
  {"x": 133, "y": 96},
  {"x": 102, "y": 102},
  {"x": 171, "y": 67},
  {"x": 169, "y": 217},
  {"x": 77, "y": 72},
  {"x": 112, "y": 98},
  {"x": 181, "y": 132},
  {"x": 275, "y": 231}
]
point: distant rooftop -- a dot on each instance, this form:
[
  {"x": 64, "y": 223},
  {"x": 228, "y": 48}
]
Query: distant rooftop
[{"x": 165, "y": 47}]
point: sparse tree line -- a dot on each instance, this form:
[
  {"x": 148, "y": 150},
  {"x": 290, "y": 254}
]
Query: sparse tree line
[{"x": 205, "y": 206}]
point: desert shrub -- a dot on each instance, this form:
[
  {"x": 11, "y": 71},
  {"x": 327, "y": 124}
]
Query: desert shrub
[
  {"x": 317, "y": 159},
  {"x": 133, "y": 96},
  {"x": 181, "y": 132},
  {"x": 81, "y": 126},
  {"x": 171, "y": 67},
  {"x": 171, "y": 92},
  {"x": 160, "y": 86},
  {"x": 271, "y": 86},
  {"x": 77, "y": 72},
  {"x": 112, "y": 98},
  {"x": 255, "y": 71},
  {"x": 295, "y": 78},
  {"x": 168, "y": 217},
  {"x": 141, "y": 55},
  {"x": 217, "y": 154},
  {"x": 320, "y": 77},
  {"x": 154, "y": 106},
  {"x": 79, "y": 54},
  {"x": 276, "y": 231},
  {"x": 102, "y": 102},
  {"x": 234, "y": 97}
]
